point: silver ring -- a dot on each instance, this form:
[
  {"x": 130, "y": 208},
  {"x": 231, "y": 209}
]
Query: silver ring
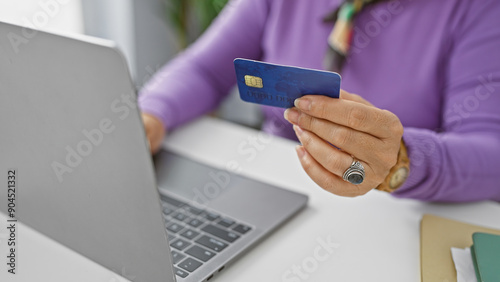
[{"x": 355, "y": 174}]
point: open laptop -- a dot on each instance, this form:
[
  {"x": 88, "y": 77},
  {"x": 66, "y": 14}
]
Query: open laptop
[{"x": 71, "y": 130}]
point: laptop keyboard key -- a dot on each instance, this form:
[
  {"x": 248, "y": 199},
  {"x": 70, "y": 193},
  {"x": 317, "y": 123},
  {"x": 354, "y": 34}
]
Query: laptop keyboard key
[
  {"x": 174, "y": 227},
  {"x": 210, "y": 215},
  {"x": 211, "y": 243},
  {"x": 242, "y": 229},
  {"x": 195, "y": 222},
  {"x": 180, "y": 216},
  {"x": 180, "y": 244},
  {"x": 193, "y": 210},
  {"x": 226, "y": 222},
  {"x": 189, "y": 234},
  {"x": 189, "y": 264},
  {"x": 173, "y": 201},
  {"x": 176, "y": 257},
  {"x": 200, "y": 253},
  {"x": 167, "y": 211},
  {"x": 170, "y": 237},
  {"x": 181, "y": 273},
  {"x": 223, "y": 234}
]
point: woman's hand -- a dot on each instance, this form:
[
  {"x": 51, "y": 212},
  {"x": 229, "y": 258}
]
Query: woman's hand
[
  {"x": 360, "y": 131},
  {"x": 155, "y": 131}
]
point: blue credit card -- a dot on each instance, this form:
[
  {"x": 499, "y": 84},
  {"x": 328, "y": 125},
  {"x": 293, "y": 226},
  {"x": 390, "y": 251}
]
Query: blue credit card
[{"x": 279, "y": 86}]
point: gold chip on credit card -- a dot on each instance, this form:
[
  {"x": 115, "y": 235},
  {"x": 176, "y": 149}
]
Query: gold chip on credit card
[
  {"x": 253, "y": 81},
  {"x": 283, "y": 84}
]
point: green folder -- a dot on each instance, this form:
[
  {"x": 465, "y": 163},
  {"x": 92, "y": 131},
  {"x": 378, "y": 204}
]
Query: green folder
[{"x": 485, "y": 253}]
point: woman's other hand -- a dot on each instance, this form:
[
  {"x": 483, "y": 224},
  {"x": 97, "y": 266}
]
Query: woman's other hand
[{"x": 155, "y": 131}]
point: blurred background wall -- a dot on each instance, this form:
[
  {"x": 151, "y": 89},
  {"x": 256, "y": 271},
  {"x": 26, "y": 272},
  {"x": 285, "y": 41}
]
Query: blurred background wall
[
  {"x": 139, "y": 27},
  {"x": 149, "y": 32},
  {"x": 41, "y": 14}
]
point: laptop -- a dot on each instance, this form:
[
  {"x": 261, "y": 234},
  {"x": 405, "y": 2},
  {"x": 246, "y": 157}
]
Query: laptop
[{"x": 71, "y": 130}]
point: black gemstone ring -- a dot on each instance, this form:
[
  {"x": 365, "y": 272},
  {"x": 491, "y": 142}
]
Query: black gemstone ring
[{"x": 355, "y": 174}]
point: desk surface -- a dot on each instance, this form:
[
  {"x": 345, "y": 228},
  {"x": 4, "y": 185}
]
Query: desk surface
[{"x": 370, "y": 238}]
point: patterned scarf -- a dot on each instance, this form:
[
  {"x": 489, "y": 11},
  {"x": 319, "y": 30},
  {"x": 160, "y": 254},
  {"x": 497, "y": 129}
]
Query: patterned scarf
[{"x": 341, "y": 36}]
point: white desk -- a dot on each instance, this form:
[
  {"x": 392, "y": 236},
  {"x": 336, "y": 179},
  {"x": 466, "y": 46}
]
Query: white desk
[{"x": 376, "y": 237}]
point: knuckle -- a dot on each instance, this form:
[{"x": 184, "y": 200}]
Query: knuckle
[
  {"x": 306, "y": 165},
  {"x": 394, "y": 124},
  {"x": 320, "y": 107},
  {"x": 333, "y": 163},
  {"x": 327, "y": 184},
  {"x": 356, "y": 117},
  {"x": 342, "y": 136},
  {"x": 306, "y": 139},
  {"x": 304, "y": 121},
  {"x": 315, "y": 124},
  {"x": 363, "y": 141},
  {"x": 397, "y": 129},
  {"x": 380, "y": 117}
]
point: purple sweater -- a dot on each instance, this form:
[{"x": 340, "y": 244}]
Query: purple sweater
[{"x": 434, "y": 63}]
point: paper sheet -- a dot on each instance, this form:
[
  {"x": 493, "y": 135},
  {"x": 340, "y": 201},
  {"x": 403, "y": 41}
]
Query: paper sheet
[{"x": 464, "y": 265}]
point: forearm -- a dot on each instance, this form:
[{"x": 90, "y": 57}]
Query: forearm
[
  {"x": 452, "y": 167},
  {"x": 178, "y": 93}
]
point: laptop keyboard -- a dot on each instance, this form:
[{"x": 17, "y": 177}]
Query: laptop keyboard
[{"x": 197, "y": 235}]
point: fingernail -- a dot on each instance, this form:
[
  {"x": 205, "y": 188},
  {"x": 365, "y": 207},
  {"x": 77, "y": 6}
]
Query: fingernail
[
  {"x": 300, "y": 151},
  {"x": 303, "y": 104},
  {"x": 292, "y": 115},
  {"x": 298, "y": 130}
]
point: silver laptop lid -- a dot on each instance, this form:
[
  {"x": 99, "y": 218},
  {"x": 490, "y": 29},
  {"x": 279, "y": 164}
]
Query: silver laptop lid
[{"x": 71, "y": 130}]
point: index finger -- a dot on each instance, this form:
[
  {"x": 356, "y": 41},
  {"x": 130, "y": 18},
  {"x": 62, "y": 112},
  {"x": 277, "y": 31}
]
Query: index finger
[{"x": 355, "y": 115}]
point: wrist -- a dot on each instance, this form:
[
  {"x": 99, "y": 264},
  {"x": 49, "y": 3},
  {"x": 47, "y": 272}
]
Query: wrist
[{"x": 399, "y": 173}]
